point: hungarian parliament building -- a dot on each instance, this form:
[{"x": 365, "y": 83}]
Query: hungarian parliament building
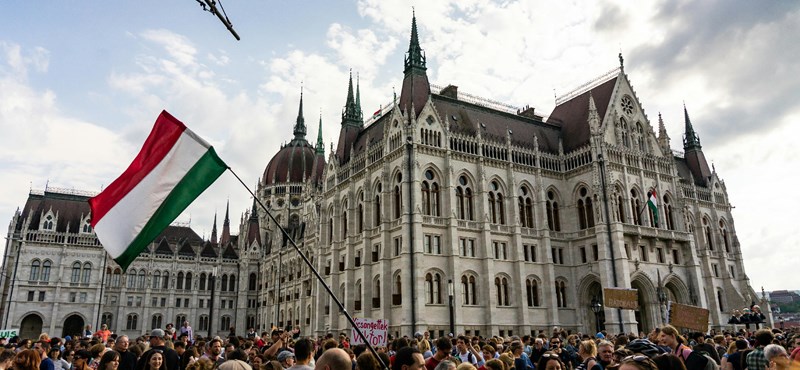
[{"x": 440, "y": 201}]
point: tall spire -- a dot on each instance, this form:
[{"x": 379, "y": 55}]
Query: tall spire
[
  {"x": 254, "y": 212},
  {"x": 594, "y": 117},
  {"x": 320, "y": 145},
  {"x": 226, "y": 225},
  {"x": 663, "y": 137},
  {"x": 358, "y": 95},
  {"x": 300, "y": 125},
  {"x": 415, "y": 57},
  {"x": 690, "y": 138},
  {"x": 214, "y": 230},
  {"x": 352, "y": 115}
]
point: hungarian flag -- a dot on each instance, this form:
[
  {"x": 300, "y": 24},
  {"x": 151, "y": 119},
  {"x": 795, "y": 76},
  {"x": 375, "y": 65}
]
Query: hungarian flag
[
  {"x": 171, "y": 170},
  {"x": 377, "y": 113},
  {"x": 652, "y": 202}
]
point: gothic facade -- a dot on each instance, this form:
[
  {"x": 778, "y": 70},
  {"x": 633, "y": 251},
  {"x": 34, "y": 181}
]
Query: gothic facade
[{"x": 519, "y": 220}]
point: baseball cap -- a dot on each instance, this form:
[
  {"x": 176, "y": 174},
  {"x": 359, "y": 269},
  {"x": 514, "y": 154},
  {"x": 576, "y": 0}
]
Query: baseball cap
[
  {"x": 418, "y": 334},
  {"x": 157, "y": 333},
  {"x": 284, "y": 355}
]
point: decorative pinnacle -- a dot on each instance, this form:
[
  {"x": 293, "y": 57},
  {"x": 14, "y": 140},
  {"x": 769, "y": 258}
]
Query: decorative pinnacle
[
  {"x": 300, "y": 125},
  {"x": 320, "y": 145},
  {"x": 415, "y": 58},
  {"x": 690, "y": 138}
]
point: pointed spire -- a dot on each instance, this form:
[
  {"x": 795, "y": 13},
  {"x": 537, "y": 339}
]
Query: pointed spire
[
  {"x": 352, "y": 115},
  {"x": 254, "y": 212},
  {"x": 594, "y": 117},
  {"x": 621, "y": 62},
  {"x": 690, "y": 138},
  {"x": 415, "y": 58},
  {"x": 358, "y": 95},
  {"x": 663, "y": 137},
  {"x": 214, "y": 230},
  {"x": 320, "y": 145},
  {"x": 300, "y": 125},
  {"x": 225, "y": 238}
]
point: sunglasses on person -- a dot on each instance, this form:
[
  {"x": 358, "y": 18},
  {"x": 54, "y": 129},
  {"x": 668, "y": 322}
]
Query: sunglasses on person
[
  {"x": 549, "y": 355},
  {"x": 555, "y": 343}
]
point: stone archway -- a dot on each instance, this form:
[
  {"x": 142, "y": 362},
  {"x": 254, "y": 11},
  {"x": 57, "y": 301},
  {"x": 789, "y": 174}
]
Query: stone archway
[
  {"x": 73, "y": 325},
  {"x": 589, "y": 288},
  {"x": 595, "y": 291},
  {"x": 31, "y": 327},
  {"x": 644, "y": 317}
]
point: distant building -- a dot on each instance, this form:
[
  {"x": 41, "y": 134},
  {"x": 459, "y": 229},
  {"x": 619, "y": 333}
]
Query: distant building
[{"x": 784, "y": 296}]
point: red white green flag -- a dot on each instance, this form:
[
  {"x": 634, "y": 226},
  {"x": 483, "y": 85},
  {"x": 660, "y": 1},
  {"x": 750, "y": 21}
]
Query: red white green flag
[
  {"x": 171, "y": 170},
  {"x": 652, "y": 203}
]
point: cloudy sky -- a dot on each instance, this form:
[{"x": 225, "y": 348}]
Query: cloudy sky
[{"x": 81, "y": 84}]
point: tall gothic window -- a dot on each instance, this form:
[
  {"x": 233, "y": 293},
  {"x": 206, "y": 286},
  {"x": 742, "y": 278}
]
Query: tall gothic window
[
  {"x": 468, "y": 288},
  {"x": 377, "y": 210},
  {"x": 397, "y": 197},
  {"x": 722, "y": 231},
  {"x": 464, "y": 199},
  {"x": 561, "y": 294},
  {"x": 430, "y": 194},
  {"x": 709, "y": 236},
  {"x": 525, "y": 207},
  {"x": 496, "y": 207},
  {"x": 620, "y": 205},
  {"x": 433, "y": 288},
  {"x": 344, "y": 219},
  {"x": 35, "y": 266},
  {"x": 532, "y": 290},
  {"x": 668, "y": 216},
  {"x": 360, "y": 214},
  {"x": 501, "y": 286},
  {"x": 636, "y": 207},
  {"x": 553, "y": 219},
  {"x": 585, "y": 209}
]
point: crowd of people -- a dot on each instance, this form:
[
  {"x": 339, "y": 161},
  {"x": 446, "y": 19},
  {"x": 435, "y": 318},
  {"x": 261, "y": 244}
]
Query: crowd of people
[{"x": 179, "y": 349}]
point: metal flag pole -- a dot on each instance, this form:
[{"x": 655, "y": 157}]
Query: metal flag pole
[{"x": 316, "y": 273}]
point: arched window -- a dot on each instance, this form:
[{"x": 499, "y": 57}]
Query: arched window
[
  {"x": 496, "y": 207},
  {"x": 585, "y": 210},
  {"x": 376, "y": 293},
  {"x": 179, "y": 281},
  {"x": 344, "y": 219},
  {"x": 232, "y": 283},
  {"x": 398, "y": 197},
  {"x": 48, "y": 222},
  {"x": 561, "y": 294},
  {"x": 377, "y": 210},
  {"x": 360, "y": 214},
  {"x": 501, "y": 286},
  {"x": 140, "y": 282},
  {"x": 224, "y": 287},
  {"x": 620, "y": 205},
  {"x": 624, "y": 130},
  {"x": 330, "y": 230},
  {"x": 156, "y": 279},
  {"x": 397, "y": 292},
  {"x": 636, "y": 207},
  {"x": 155, "y": 322},
  {"x": 723, "y": 230},
  {"x": 532, "y": 290},
  {"x": 224, "y": 323},
  {"x": 525, "y": 207},
  {"x": 116, "y": 277},
  {"x": 76, "y": 274},
  {"x": 251, "y": 282},
  {"x": 46, "y": 266},
  {"x": 468, "y": 289},
  {"x": 202, "y": 323},
  {"x": 357, "y": 298},
  {"x": 709, "y": 236},
  {"x": 132, "y": 322},
  {"x": 106, "y": 319},
  {"x": 464, "y": 199},
  {"x": 553, "y": 219},
  {"x": 433, "y": 288},
  {"x": 165, "y": 274},
  {"x": 668, "y": 216},
  {"x": 35, "y": 269},
  {"x": 640, "y": 137},
  {"x": 202, "y": 286},
  {"x": 430, "y": 194}
]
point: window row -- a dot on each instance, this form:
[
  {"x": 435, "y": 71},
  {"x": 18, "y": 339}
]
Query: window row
[
  {"x": 137, "y": 279},
  {"x": 81, "y": 273},
  {"x": 157, "y": 321}
]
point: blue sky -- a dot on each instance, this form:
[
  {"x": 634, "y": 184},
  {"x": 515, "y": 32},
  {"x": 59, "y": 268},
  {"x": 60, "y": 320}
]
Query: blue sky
[{"x": 82, "y": 83}]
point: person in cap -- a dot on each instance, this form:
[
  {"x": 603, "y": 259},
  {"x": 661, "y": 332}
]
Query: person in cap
[
  {"x": 286, "y": 358},
  {"x": 80, "y": 361},
  {"x": 157, "y": 343}
]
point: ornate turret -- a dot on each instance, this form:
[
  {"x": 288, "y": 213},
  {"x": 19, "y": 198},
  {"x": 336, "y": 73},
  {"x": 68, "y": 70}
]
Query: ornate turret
[
  {"x": 352, "y": 115},
  {"x": 416, "y": 88},
  {"x": 253, "y": 230},
  {"x": 663, "y": 138},
  {"x": 695, "y": 158},
  {"x": 320, "y": 145},
  {"x": 594, "y": 117}
]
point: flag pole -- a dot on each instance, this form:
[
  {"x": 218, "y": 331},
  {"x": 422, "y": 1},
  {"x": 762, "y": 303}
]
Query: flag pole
[
  {"x": 288, "y": 237},
  {"x": 645, "y": 204}
]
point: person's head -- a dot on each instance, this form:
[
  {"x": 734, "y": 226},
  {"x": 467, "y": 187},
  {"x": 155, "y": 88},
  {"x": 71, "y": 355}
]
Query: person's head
[
  {"x": 97, "y": 350},
  {"x": 777, "y": 354},
  {"x": 495, "y": 364},
  {"x": 303, "y": 350},
  {"x": 157, "y": 338},
  {"x": 203, "y": 364},
  {"x": 27, "y": 360},
  {"x": 587, "y": 349},
  {"x": 122, "y": 343},
  {"x": 109, "y": 361},
  {"x": 555, "y": 342},
  {"x": 154, "y": 361},
  {"x": 256, "y": 361},
  {"x": 538, "y": 343},
  {"x": 670, "y": 337},
  {"x": 488, "y": 352},
  {"x": 667, "y": 361},
  {"x": 465, "y": 366},
  {"x": 605, "y": 350},
  {"x": 286, "y": 358},
  {"x": 214, "y": 347},
  {"x": 637, "y": 362},
  {"x": 450, "y": 365},
  {"x": 461, "y": 343},
  {"x": 366, "y": 361},
  {"x": 443, "y": 347},
  {"x": 516, "y": 349},
  {"x": 179, "y": 347},
  {"x": 185, "y": 323},
  {"x": 335, "y": 359},
  {"x": 550, "y": 361},
  {"x": 6, "y": 358},
  {"x": 764, "y": 337},
  {"x": 409, "y": 358},
  {"x": 42, "y": 348},
  {"x": 81, "y": 358}
]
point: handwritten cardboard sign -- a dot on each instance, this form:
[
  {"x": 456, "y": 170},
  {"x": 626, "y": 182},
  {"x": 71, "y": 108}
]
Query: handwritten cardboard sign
[
  {"x": 689, "y": 317},
  {"x": 8, "y": 333},
  {"x": 621, "y": 298},
  {"x": 374, "y": 330}
]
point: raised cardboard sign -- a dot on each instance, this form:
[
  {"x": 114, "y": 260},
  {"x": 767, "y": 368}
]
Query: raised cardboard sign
[
  {"x": 689, "y": 317},
  {"x": 374, "y": 330},
  {"x": 8, "y": 333},
  {"x": 621, "y": 298}
]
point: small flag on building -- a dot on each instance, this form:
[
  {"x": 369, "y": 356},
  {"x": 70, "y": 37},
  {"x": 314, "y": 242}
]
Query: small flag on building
[
  {"x": 377, "y": 113},
  {"x": 171, "y": 170},
  {"x": 652, "y": 203}
]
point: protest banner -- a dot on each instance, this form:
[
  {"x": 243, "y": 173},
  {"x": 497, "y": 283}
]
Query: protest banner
[
  {"x": 8, "y": 333},
  {"x": 374, "y": 330},
  {"x": 621, "y": 298},
  {"x": 689, "y": 317}
]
